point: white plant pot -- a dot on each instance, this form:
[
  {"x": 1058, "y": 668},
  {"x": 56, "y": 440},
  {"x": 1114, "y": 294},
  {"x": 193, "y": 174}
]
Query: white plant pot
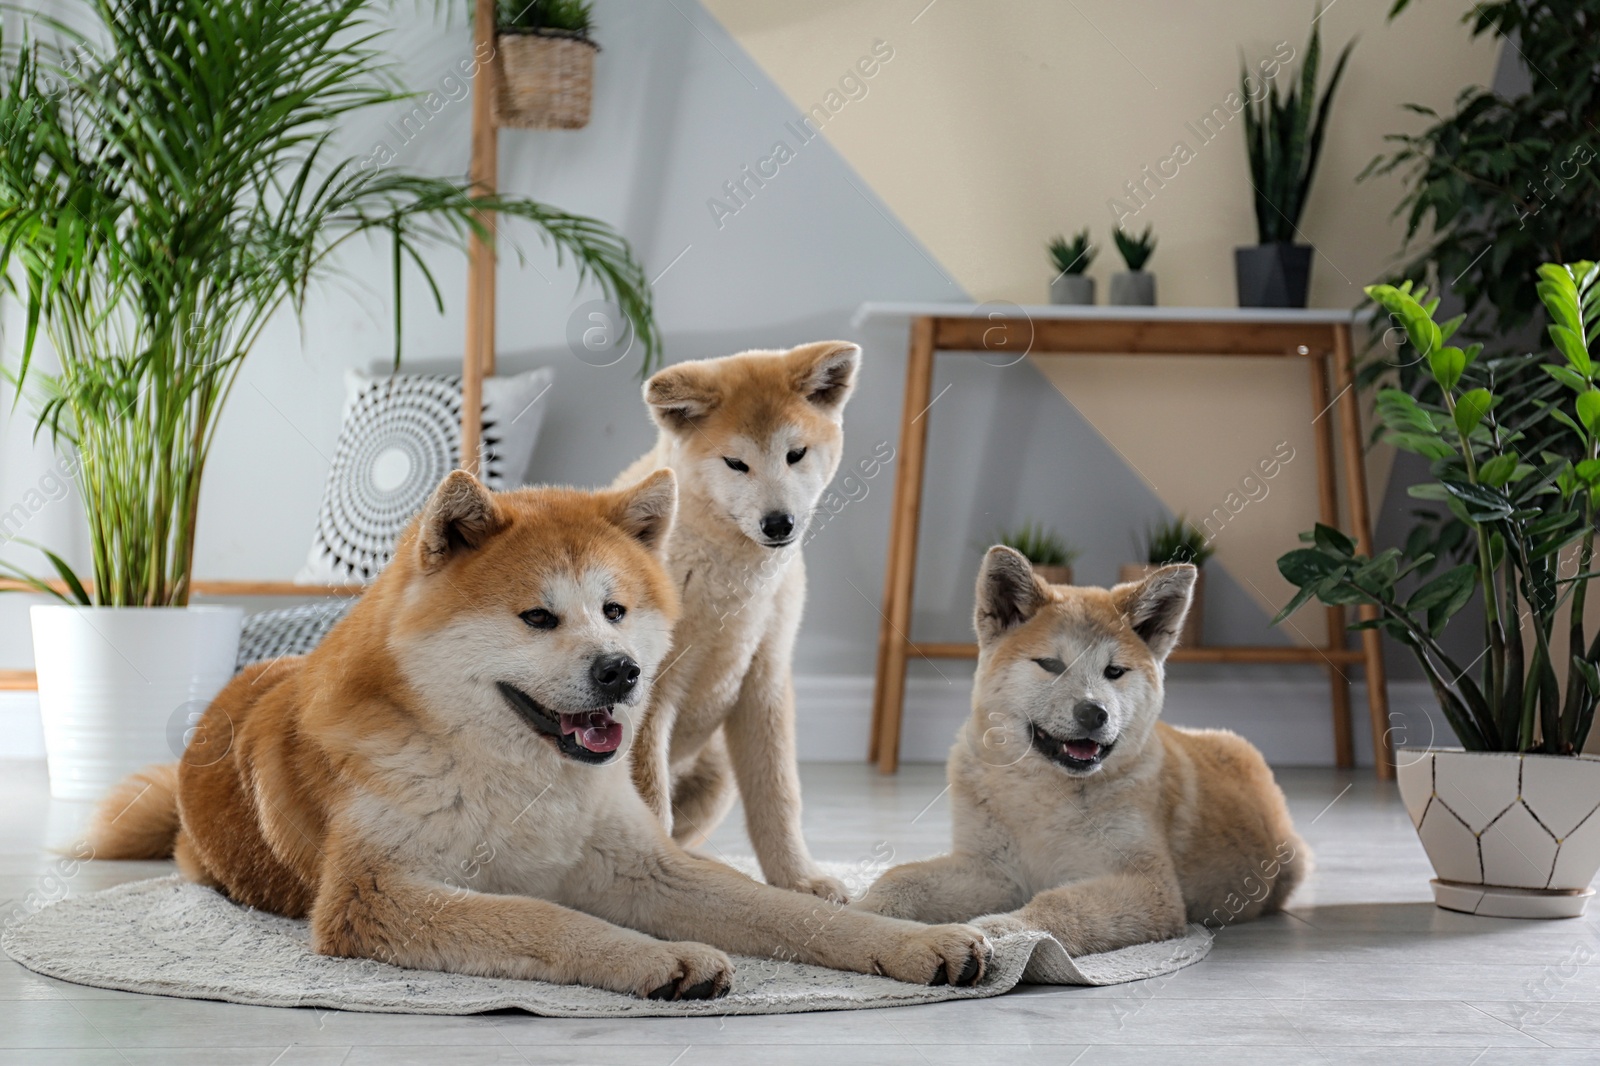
[
  {"x": 1513, "y": 836},
  {"x": 121, "y": 687}
]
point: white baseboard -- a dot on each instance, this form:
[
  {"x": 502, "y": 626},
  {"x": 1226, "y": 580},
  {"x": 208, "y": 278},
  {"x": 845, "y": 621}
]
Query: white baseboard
[
  {"x": 21, "y": 736},
  {"x": 1288, "y": 720}
]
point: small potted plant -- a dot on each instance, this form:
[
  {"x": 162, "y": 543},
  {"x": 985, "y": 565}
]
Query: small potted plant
[
  {"x": 1134, "y": 287},
  {"x": 543, "y": 64},
  {"x": 153, "y": 288},
  {"x": 1048, "y": 551},
  {"x": 1071, "y": 259},
  {"x": 1283, "y": 142},
  {"x": 1509, "y": 818},
  {"x": 1177, "y": 541}
]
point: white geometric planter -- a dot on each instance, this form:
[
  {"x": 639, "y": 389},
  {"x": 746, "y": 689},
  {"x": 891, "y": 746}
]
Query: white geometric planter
[
  {"x": 1512, "y": 836},
  {"x": 120, "y": 687}
]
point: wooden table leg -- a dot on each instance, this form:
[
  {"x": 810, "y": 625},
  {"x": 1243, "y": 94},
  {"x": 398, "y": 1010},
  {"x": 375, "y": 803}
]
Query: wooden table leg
[
  {"x": 1361, "y": 522},
  {"x": 1344, "y": 751},
  {"x": 894, "y": 633},
  {"x": 484, "y": 173}
]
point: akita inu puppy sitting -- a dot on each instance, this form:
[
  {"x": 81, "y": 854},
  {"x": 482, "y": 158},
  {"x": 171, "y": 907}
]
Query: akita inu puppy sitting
[
  {"x": 754, "y": 439},
  {"x": 1077, "y": 812},
  {"x": 438, "y": 785}
]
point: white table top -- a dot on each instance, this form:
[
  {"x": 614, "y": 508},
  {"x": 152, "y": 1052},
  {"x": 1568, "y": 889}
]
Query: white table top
[{"x": 1242, "y": 315}]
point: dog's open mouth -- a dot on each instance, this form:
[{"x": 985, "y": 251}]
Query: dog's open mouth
[
  {"x": 1079, "y": 754},
  {"x": 590, "y": 736}
]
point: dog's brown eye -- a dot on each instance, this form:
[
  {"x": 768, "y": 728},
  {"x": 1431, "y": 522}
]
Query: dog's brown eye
[
  {"x": 1113, "y": 671},
  {"x": 1054, "y": 666},
  {"x": 735, "y": 464},
  {"x": 796, "y": 455},
  {"x": 614, "y": 612},
  {"x": 539, "y": 618}
]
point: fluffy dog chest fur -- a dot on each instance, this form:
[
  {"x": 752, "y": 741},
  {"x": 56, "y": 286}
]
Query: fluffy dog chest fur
[
  {"x": 732, "y": 597},
  {"x": 516, "y": 824},
  {"x": 1047, "y": 829}
]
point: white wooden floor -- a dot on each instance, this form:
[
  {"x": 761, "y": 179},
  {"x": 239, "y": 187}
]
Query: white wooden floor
[{"x": 1363, "y": 969}]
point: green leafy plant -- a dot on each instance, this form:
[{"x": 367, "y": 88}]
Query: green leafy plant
[
  {"x": 1041, "y": 545},
  {"x": 1495, "y": 187},
  {"x": 1284, "y": 141},
  {"x": 1505, "y": 183},
  {"x": 1135, "y": 251},
  {"x": 1177, "y": 541},
  {"x": 1074, "y": 256},
  {"x": 569, "y": 17},
  {"x": 169, "y": 180},
  {"x": 1529, "y": 555}
]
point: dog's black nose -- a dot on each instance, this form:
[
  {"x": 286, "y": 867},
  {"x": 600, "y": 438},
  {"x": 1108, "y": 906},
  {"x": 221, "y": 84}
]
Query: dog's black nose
[
  {"x": 1090, "y": 715},
  {"x": 776, "y": 526},
  {"x": 614, "y": 675}
]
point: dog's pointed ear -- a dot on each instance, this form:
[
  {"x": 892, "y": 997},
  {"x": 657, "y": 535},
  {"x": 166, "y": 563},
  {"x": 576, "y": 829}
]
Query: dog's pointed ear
[
  {"x": 680, "y": 396},
  {"x": 1009, "y": 593},
  {"x": 825, "y": 372},
  {"x": 645, "y": 511},
  {"x": 1156, "y": 606},
  {"x": 459, "y": 517}
]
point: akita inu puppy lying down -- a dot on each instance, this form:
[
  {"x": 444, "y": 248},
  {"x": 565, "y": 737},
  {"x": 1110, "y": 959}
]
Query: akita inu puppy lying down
[
  {"x": 438, "y": 785},
  {"x": 1075, "y": 810},
  {"x": 754, "y": 439}
]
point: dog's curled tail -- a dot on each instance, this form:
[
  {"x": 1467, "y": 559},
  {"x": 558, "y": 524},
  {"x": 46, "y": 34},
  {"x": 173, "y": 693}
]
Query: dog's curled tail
[{"x": 139, "y": 818}]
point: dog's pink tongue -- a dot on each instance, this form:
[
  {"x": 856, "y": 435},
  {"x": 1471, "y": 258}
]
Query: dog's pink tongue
[
  {"x": 1082, "y": 749},
  {"x": 596, "y": 730}
]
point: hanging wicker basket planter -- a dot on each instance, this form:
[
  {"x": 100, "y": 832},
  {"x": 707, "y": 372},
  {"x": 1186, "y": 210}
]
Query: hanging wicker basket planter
[{"x": 544, "y": 79}]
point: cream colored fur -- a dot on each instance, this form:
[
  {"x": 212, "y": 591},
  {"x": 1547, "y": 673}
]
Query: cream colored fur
[
  {"x": 722, "y": 709},
  {"x": 1167, "y": 825}
]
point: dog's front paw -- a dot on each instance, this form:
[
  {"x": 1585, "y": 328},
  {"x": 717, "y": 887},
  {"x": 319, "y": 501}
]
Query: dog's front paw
[
  {"x": 819, "y": 884},
  {"x": 999, "y": 925},
  {"x": 940, "y": 955},
  {"x": 681, "y": 970}
]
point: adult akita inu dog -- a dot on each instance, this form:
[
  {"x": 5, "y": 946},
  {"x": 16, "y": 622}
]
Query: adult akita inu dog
[
  {"x": 438, "y": 785},
  {"x": 754, "y": 439},
  {"x": 1076, "y": 811}
]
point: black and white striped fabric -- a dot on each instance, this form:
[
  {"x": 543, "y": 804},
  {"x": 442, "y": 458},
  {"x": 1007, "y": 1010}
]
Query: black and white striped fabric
[{"x": 288, "y": 630}]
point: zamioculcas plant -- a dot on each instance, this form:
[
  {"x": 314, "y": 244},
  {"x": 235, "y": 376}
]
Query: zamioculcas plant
[
  {"x": 1529, "y": 509},
  {"x": 169, "y": 186}
]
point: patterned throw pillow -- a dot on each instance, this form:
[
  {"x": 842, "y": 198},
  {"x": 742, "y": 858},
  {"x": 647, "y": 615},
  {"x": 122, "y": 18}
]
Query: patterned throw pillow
[
  {"x": 288, "y": 630},
  {"x": 401, "y": 436}
]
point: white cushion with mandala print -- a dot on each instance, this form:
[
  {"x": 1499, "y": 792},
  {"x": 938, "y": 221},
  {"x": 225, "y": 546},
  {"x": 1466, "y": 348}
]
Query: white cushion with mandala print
[{"x": 401, "y": 436}]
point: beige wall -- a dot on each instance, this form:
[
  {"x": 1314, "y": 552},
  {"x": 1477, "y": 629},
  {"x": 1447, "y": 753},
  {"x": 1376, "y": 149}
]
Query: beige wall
[{"x": 997, "y": 125}]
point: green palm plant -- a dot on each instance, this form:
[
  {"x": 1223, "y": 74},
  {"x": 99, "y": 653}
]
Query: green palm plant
[
  {"x": 167, "y": 187},
  {"x": 1284, "y": 142}
]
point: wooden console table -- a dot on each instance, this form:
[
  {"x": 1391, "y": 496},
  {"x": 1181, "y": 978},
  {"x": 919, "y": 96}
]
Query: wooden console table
[{"x": 1321, "y": 337}]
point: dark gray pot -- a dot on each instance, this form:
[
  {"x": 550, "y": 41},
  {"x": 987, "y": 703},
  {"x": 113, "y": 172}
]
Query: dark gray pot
[
  {"x": 1072, "y": 289},
  {"x": 1133, "y": 288},
  {"x": 1272, "y": 275}
]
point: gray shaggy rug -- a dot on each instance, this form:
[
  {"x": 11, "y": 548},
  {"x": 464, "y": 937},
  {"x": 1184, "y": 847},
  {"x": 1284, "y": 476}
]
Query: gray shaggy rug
[{"x": 168, "y": 937}]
